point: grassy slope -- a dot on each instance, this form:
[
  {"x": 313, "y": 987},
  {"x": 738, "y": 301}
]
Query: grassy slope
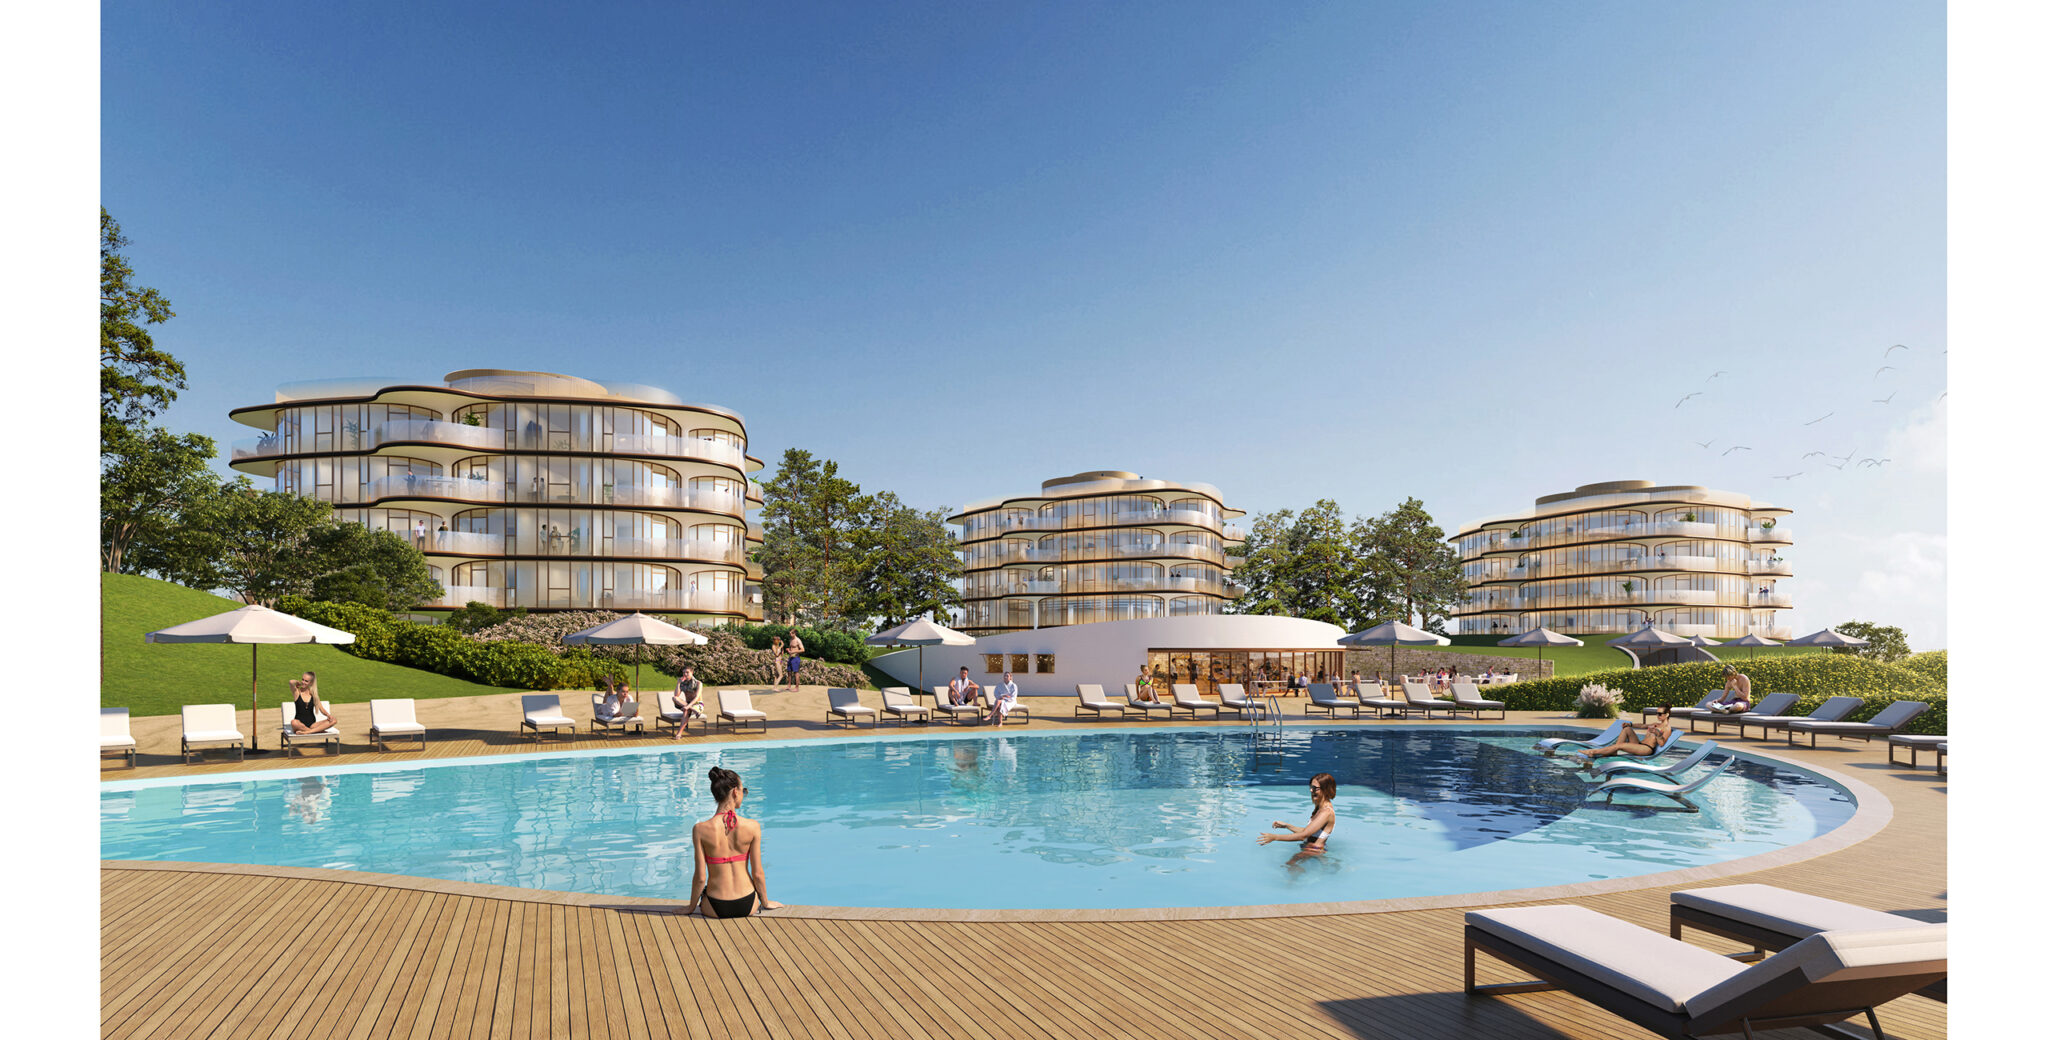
[
  {"x": 1596, "y": 655},
  {"x": 158, "y": 678}
]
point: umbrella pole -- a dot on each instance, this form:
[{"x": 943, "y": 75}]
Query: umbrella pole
[{"x": 255, "y": 728}]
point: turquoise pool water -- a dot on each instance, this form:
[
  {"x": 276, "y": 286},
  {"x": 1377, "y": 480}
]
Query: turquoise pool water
[{"x": 1140, "y": 818}]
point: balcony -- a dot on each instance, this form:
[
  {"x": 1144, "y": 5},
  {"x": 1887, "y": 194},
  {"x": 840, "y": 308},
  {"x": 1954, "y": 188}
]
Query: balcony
[
  {"x": 478, "y": 489},
  {"x": 453, "y": 434},
  {"x": 1034, "y": 556},
  {"x": 682, "y": 448},
  {"x": 1667, "y": 562},
  {"x": 247, "y": 449},
  {"x": 1189, "y": 517},
  {"x": 460, "y": 489},
  {"x": 465, "y": 543},
  {"x": 1772, "y": 566},
  {"x": 1773, "y": 533},
  {"x": 1689, "y": 597},
  {"x": 1776, "y": 600},
  {"x": 462, "y": 595}
]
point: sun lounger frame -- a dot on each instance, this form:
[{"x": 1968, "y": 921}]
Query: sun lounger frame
[{"x": 1762, "y": 939}]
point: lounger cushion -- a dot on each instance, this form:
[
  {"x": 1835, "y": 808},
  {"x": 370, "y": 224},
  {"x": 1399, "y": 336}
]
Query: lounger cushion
[
  {"x": 1654, "y": 968},
  {"x": 197, "y": 736},
  {"x": 107, "y": 742},
  {"x": 1791, "y": 913},
  {"x": 1921, "y": 949},
  {"x": 853, "y": 709},
  {"x": 396, "y": 729},
  {"x": 742, "y": 713},
  {"x": 1918, "y": 739}
]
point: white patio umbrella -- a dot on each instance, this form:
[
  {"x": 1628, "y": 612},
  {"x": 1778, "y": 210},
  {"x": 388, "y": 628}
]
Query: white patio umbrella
[
  {"x": 1827, "y": 637},
  {"x": 254, "y": 625},
  {"x": 637, "y": 629},
  {"x": 1650, "y": 637},
  {"x": 1393, "y": 634},
  {"x": 1752, "y": 640},
  {"x": 1540, "y": 638},
  {"x": 921, "y": 633}
]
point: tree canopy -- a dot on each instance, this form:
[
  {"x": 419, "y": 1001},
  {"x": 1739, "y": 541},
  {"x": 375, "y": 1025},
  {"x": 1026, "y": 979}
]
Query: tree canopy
[
  {"x": 835, "y": 557},
  {"x": 1887, "y": 642},
  {"x": 1314, "y": 564},
  {"x": 137, "y": 380}
]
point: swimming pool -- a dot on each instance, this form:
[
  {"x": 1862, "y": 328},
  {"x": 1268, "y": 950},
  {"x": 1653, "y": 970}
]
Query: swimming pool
[{"x": 1084, "y": 820}]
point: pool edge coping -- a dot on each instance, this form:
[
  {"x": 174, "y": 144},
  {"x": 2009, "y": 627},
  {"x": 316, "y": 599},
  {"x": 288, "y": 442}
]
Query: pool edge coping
[{"x": 1873, "y": 813}]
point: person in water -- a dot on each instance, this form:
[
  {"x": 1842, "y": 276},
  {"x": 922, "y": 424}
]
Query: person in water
[
  {"x": 720, "y": 887},
  {"x": 1314, "y": 835}
]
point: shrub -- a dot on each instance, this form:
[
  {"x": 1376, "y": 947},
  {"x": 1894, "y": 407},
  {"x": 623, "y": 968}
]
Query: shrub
[
  {"x": 725, "y": 660},
  {"x": 1597, "y": 702},
  {"x": 1814, "y": 677},
  {"x": 1932, "y": 664},
  {"x": 827, "y": 644}
]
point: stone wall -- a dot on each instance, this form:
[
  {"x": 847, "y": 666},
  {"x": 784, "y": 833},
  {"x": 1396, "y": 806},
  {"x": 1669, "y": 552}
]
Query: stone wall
[{"x": 1413, "y": 659}]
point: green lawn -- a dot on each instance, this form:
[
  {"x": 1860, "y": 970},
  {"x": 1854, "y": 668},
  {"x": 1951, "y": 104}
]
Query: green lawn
[
  {"x": 159, "y": 678},
  {"x": 1597, "y": 656}
]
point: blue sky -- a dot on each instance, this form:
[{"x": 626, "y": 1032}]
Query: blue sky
[{"x": 1471, "y": 253}]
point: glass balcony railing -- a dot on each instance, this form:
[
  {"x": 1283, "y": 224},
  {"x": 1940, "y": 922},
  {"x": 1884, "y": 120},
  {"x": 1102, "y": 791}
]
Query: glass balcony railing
[
  {"x": 460, "y": 489},
  {"x": 676, "y": 601},
  {"x": 465, "y": 543},
  {"x": 1190, "y": 517},
  {"x": 463, "y": 595},
  {"x": 472, "y": 489},
  {"x": 1036, "y": 556},
  {"x": 1773, "y": 533},
  {"x": 682, "y": 448},
  {"x": 1769, "y": 599},
  {"x": 248, "y": 448},
  {"x": 1769, "y": 567},
  {"x": 454, "y": 434}
]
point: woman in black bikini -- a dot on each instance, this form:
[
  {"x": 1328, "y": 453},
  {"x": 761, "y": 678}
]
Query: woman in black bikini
[
  {"x": 722, "y": 843},
  {"x": 309, "y": 713},
  {"x": 1314, "y": 836}
]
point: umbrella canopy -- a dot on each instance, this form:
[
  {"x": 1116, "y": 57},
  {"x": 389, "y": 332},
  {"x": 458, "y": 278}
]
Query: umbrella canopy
[
  {"x": 636, "y": 629},
  {"x": 1539, "y": 638},
  {"x": 1391, "y": 634},
  {"x": 920, "y": 633},
  {"x": 1704, "y": 641},
  {"x": 1650, "y": 637},
  {"x": 1752, "y": 640},
  {"x": 254, "y": 625},
  {"x": 1827, "y": 637}
]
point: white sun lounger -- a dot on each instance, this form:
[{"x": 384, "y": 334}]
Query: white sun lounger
[
  {"x": 543, "y": 711},
  {"x": 1771, "y": 918},
  {"x": 1381, "y": 704},
  {"x": 1420, "y": 699},
  {"x": 955, "y": 711},
  {"x": 1323, "y": 697},
  {"x": 1768, "y": 704},
  {"x": 626, "y": 721},
  {"x": 1465, "y": 696},
  {"x": 1677, "y": 990},
  {"x": 208, "y": 726},
  {"x": 676, "y": 719},
  {"x": 1552, "y": 745},
  {"x": 393, "y": 717},
  {"x": 1147, "y": 708},
  {"x": 1675, "y": 792},
  {"x": 1671, "y": 740},
  {"x": 1089, "y": 697},
  {"x": 842, "y": 704},
  {"x": 736, "y": 709},
  {"x": 291, "y": 742},
  {"x": 1649, "y": 767},
  {"x": 114, "y": 736},
  {"x": 899, "y": 704},
  {"x": 1892, "y": 719},
  {"x": 1834, "y": 709},
  {"x": 1231, "y": 697},
  {"x": 1189, "y": 699}
]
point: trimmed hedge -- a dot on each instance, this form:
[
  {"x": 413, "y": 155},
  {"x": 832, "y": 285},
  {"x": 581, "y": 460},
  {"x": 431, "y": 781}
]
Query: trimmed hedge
[
  {"x": 1814, "y": 677},
  {"x": 1932, "y": 664}
]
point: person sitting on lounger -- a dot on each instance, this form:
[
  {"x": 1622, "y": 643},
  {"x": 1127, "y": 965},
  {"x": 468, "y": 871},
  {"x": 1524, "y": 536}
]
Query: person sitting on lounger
[
  {"x": 1734, "y": 696},
  {"x": 1144, "y": 687},
  {"x": 1640, "y": 741},
  {"x": 307, "y": 707},
  {"x": 720, "y": 888},
  {"x": 688, "y": 698},
  {"x": 613, "y": 707},
  {"x": 1002, "y": 697},
  {"x": 1314, "y": 835},
  {"x": 962, "y": 690}
]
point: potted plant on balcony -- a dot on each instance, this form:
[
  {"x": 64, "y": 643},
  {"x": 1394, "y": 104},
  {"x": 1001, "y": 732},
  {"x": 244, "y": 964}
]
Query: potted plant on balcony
[
  {"x": 1690, "y": 518},
  {"x": 1628, "y": 588},
  {"x": 1516, "y": 535},
  {"x": 472, "y": 419},
  {"x": 1767, "y": 523}
]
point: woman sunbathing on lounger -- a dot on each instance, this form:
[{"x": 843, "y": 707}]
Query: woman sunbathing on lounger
[
  {"x": 1314, "y": 835},
  {"x": 309, "y": 713},
  {"x": 1641, "y": 742},
  {"x": 723, "y": 842},
  {"x": 613, "y": 707}
]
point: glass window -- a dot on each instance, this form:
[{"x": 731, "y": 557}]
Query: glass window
[
  {"x": 1044, "y": 664},
  {"x": 1020, "y": 663},
  {"x": 992, "y": 663}
]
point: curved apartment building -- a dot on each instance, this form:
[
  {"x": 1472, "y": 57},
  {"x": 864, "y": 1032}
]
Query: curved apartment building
[
  {"x": 529, "y": 489},
  {"x": 1099, "y": 546},
  {"x": 1608, "y": 557}
]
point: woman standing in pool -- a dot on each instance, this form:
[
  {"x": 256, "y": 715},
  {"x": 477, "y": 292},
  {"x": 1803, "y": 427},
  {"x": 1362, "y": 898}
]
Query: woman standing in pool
[
  {"x": 796, "y": 649},
  {"x": 722, "y": 843},
  {"x": 1314, "y": 835}
]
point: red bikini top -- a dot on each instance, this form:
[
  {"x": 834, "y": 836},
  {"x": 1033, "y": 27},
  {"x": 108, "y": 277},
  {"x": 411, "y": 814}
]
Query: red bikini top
[{"x": 732, "y": 823}]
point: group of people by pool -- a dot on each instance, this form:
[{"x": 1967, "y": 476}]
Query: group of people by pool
[{"x": 1002, "y": 696}]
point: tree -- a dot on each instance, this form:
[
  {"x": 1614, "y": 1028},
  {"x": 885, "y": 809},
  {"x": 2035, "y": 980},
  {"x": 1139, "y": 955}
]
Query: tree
[
  {"x": 903, "y": 562},
  {"x": 1409, "y": 564},
  {"x": 1887, "y": 642},
  {"x": 808, "y": 516},
  {"x": 375, "y": 568},
  {"x": 267, "y": 541},
  {"x": 147, "y": 479},
  {"x": 1308, "y": 565},
  {"x": 136, "y": 379}
]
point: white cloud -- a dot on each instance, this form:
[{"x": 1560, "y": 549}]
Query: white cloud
[
  {"x": 1921, "y": 445},
  {"x": 1899, "y": 578}
]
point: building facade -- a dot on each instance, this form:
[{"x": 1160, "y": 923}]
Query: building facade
[
  {"x": 530, "y": 489},
  {"x": 1099, "y": 546},
  {"x": 1608, "y": 557}
]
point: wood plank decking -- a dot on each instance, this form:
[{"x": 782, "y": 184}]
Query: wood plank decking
[{"x": 190, "y": 953}]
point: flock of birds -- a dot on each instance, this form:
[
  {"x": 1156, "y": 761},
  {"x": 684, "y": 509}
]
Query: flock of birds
[{"x": 1839, "y": 462}]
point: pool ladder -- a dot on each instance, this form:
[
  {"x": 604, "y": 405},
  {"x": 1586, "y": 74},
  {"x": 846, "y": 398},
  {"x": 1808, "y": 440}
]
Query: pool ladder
[{"x": 1265, "y": 719}]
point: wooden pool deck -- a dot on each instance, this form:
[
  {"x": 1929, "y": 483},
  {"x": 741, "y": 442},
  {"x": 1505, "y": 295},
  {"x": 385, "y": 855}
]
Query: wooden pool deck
[{"x": 221, "y": 952}]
